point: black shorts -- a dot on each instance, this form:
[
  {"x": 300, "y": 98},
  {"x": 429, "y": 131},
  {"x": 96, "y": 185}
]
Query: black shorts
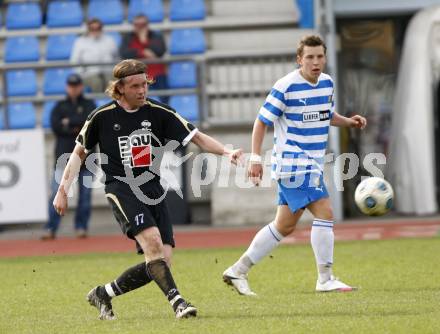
[{"x": 134, "y": 216}]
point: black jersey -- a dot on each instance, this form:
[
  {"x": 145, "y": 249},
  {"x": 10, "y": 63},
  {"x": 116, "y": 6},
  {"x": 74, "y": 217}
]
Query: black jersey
[{"x": 131, "y": 141}]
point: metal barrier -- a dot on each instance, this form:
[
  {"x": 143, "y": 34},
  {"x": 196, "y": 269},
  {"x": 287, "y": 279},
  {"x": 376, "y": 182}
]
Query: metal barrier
[
  {"x": 231, "y": 87},
  {"x": 237, "y": 84}
]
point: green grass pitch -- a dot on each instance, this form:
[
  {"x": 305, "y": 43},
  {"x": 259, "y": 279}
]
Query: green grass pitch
[{"x": 399, "y": 292}]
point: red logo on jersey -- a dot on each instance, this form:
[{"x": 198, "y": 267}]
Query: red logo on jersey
[
  {"x": 140, "y": 156},
  {"x": 135, "y": 150}
]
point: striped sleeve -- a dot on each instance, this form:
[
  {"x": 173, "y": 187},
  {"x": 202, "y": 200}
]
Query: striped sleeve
[
  {"x": 273, "y": 107},
  {"x": 332, "y": 108}
]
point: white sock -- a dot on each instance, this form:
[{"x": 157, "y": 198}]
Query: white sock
[
  {"x": 264, "y": 242},
  {"x": 322, "y": 239}
]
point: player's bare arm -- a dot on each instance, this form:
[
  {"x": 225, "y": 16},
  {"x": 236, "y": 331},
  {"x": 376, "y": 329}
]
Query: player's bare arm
[
  {"x": 255, "y": 169},
  {"x": 70, "y": 173},
  {"x": 209, "y": 144},
  {"x": 356, "y": 121}
]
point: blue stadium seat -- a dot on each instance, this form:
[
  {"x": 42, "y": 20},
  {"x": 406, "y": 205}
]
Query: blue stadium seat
[
  {"x": 187, "y": 106},
  {"x": 64, "y": 13},
  {"x": 24, "y": 15},
  {"x": 108, "y": 11},
  {"x": 59, "y": 47},
  {"x": 153, "y": 9},
  {"x": 21, "y": 83},
  {"x": 307, "y": 17},
  {"x": 117, "y": 37},
  {"x": 2, "y": 122},
  {"x": 47, "y": 112},
  {"x": 21, "y": 115},
  {"x": 55, "y": 80},
  {"x": 155, "y": 97},
  {"x": 187, "y": 10},
  {"x": 22, "y": 48},
  {"x": 187, "y": 41},
  {"x": 102, "y": 101},
  {"x": 182, "y": 74}
]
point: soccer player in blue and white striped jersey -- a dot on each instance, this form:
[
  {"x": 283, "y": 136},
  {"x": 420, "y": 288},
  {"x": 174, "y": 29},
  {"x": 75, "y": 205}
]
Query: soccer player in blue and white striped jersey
[{"x": 300, "y": 106}]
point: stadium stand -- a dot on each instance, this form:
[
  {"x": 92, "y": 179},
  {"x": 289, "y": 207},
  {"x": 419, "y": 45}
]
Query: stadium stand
[
  {"x": 21, "y": 115},
  {"x": 187, "y": 10},
  {"x": 59, "y": 47},
  {"x": 116, "y": 36},
  {"x": 22, "y": 48},
  {"x": 64, "y": 13},
  {"x": 182, "y": 75},
  {"x": 156, "y": 98},
  {"x": 236, "y": 46},
  {"x": 229, "y": 26},
  {"x": 187, "y": 106},
  {"x": 187, "y": 41},
  {"x": 55, "y": 80},
  {"x": 307, "y": 18},
  {"x": 153, "y": 9},
  {"x": 23, "y": 15},
  {"x": 21, "y": 83},
  {"x": 100, "y": 102},
  {"x": 108, "y": 11},
  {"x": 47, "y": 112}
]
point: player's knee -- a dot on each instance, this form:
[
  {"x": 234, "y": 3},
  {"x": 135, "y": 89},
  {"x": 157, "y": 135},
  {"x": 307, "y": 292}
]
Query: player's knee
[
  {"x": 167, "y": 252},
  {"x": 167, "y": 260},
  {"x": 285, "y": 227},
  {"x": 155, "y": 244},
  {"x": 151, "y": 244},
  {"x": 326, "y": 213}
]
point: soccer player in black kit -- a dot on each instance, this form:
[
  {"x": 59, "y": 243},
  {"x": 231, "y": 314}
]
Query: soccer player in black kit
[{"x": 130, "y": 131}]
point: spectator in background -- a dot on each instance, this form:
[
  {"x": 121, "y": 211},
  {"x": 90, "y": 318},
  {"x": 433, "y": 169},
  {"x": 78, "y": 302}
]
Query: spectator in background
[
  {"x": 144, "y": 43},
  {"x": 94, "y": 47},
  {"x": 67, "y": 119}
]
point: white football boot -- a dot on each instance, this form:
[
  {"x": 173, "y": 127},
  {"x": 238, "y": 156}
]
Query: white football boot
[
  {"x": 239, "y": 282},
  {"x": 333, "y": 285}
]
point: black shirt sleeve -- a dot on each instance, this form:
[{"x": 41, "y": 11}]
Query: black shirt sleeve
[
  {"x": 89, "y": 134},
  {"x": 176, "y": 127}
]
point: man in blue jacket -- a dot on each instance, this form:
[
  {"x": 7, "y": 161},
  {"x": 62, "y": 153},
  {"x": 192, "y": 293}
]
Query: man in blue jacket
[{"x": 67, "y": 119}]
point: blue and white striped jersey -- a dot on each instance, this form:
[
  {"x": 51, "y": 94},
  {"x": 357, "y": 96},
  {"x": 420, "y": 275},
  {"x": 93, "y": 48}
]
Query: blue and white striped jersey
[{"x": 301, "y": 113}]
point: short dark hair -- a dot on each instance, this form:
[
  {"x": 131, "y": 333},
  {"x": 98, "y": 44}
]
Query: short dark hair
[
  {"x": 94, "y": 20},
  {"x": 310, "y": 40},
  {"x": 141, "y": 16}
]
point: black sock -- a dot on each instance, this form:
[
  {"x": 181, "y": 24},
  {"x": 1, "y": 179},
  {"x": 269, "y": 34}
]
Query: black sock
[
  {"x": 131, "y": 279},
  {"x": 158, "y": 270}
]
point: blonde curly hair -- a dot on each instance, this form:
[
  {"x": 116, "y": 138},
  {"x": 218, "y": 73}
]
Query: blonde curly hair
[{"x": 122, "y": 70}]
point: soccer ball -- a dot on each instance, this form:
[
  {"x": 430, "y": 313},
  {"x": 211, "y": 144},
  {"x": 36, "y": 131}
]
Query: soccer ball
[{"x": 374, "y": 196}]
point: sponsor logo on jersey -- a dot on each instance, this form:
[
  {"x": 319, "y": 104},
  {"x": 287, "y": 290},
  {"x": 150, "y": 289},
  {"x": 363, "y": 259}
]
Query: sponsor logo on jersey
[
  {"x": 316, "y": 116},
  {"x": 135, "y": 150},
  {"x": 146, "y": 124}
]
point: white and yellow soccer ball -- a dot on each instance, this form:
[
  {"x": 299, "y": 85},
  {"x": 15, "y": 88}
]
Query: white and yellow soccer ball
[{"x": 374, "y": 196}]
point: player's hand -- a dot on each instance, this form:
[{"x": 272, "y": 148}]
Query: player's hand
[
  {"x": 255, "y": 172},
  {"x": 358, "y": 122},
  {"x": 236, "y": 157},
  {"x": 60, "y": 202}
]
